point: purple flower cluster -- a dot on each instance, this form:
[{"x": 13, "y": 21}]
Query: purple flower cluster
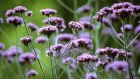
[
  {"x": 12, "y": 52},
  {"x": 32, "y": 26},
  {"x": 55, "y": 21},
  {"x": 127, "y": 28},
  {"x": 31, "y": 73},
  {"x": 26, "y": 40},
  {"x": 113, "y": 52},
  {"x": 81, "y": 42},
  {"x": 17, "y": 9},
  {"x": 75, "y": 25},
  {"x": 87, "y": 25},
  {"x": 120, "y": 10},
  {"x": 91, "y": 76},
  {"x": 41, "y": 39},
  {"x": 48, "y": 12},
  {"x": 48, "y": 30},
  {"x": 56, "y": 50},
  {"x": 85, "y": 57},
  {"x": 26, "y": 58},
  {"x": 2, "y": 46},
  {"x": 65, "y": 37},
  {"x": 117, "y": 66},
  {"x": 29, "y": 13},
  {"x": 15, "y": 20}
]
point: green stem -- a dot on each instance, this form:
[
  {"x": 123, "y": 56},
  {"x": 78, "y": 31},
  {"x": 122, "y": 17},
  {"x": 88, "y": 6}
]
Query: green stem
[{"x": 75, "y": 7}]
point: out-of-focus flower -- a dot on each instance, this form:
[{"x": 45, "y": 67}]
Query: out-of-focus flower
[
  {"x": 85, "y": 18},
  {"x": 48, "y": 30},
  {"x": 91, "y": 76},
  {"x": 41, "y": 39},
  {"x": 26, "y": 40},
  {"x": 15, "y": 20},
  {"x": 75, "y": 25},
  {"x": 56, "y": 21},
  {"x": 32, "y": 26},
  {"x": 84, "y": 9},
  {"x": 127, "y": 28},
  {"x": 117, "y": 66},
  {"x": 31, "y": 73},
  {"x": 29, "y": 13},
  {"x": 106, "y": 21},
  {"x": 85, "y": 57},
  {"x": 9, "y": 12},
  {"x": 107, "y": 31},
  {"x": 137, "y": 29},
  {"x": 84, "y": 35},
  {"x": 65, "y": 37},
  {"x": 26, "y": 58},
  {"x": 2, "y": 46},
  {"x": 48, "y": 12},
  {"x": 120, "y": 35},
  {"x": 1, "y": 20},
  {"x": 20, "y": 9}
]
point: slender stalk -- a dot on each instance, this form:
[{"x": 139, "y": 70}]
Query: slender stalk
[
  {"x": 125, "y": 48},
  {"x": 51, "y": 61},
  {"x": 19, "y": 66},
  {"x": 34, "y": 49},
  {"x": 65, "y": 6},
  {"x": 75, "y": 7}
]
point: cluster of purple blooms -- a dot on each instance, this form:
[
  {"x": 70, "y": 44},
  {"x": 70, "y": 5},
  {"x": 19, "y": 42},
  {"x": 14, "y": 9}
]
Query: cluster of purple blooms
[{"x": 120, "y": 10}]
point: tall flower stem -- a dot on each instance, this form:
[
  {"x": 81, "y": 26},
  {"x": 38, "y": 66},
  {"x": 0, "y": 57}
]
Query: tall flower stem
[
  {"x": 19, "y": 66},
  {"x": 75, "y": 7},
  {"x": 125, "y": 48},
  {"x": 34, "y": 49}
]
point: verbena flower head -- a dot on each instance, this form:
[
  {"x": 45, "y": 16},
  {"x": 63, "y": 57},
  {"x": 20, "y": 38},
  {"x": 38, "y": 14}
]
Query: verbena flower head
[
  {"x": 117, "y": 66},
  {"x": 26, "y": 40},
  {"x": 65, "y": 37},
  {"x": 55, "y": 21},
  {"x": 106, "y": 21},
  {"x": 81, "y": 42},
  {"x": 75, "y": 25},
  {"x": 137, "y": 29},
  {"x": 127, "y": 28},
  {"x": 9, "y": 12},
  {"x": 41, "y": 39},
  {"x": 48, "y": 11},
  {"x": 27, "y": 58},
  {"x": 20, "y": 9},
  {"x": 31, "y": 73},
  {"x": 56, "y": 50},
  {"x": 29, "y": 13},
  {"x": 91, "y": 76},
  {"x": 48, "y": 30},
  {"x": 85, "y": 57},
  {"x": 87, "y": 25},
  {"x": 1, "y": 20},
  {"x": 32, "y": 26},
  {"x": 2, "y": 46},
  {"x": 15, "y": 20},
  {"x": 68, "y": 60},
  {"x": 84, "y": 9},
  {"x": 120, "y": 35}
]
